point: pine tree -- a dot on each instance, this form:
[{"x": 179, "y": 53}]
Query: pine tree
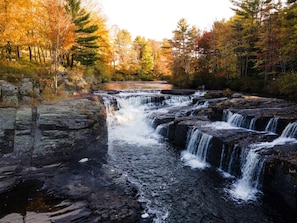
[
  {"x": 182, "y": 49},
  {"x": 85, "y": 49}
]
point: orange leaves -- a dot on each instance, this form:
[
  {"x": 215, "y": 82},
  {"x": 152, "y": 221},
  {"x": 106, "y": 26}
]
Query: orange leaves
[
  {"x": 26, "y": 22},
  {"x": 13, "y": 16},
  {"x": 59, "y": 28}
]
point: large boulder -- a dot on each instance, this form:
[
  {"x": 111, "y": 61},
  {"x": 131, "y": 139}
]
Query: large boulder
[
  {"x": 8, "y": 93},
  {"x": 68, "y": 127}
]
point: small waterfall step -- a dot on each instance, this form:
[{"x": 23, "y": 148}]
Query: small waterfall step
[
  {"x": 272, "y": 125},
  {"x": 198, "y": 144}
]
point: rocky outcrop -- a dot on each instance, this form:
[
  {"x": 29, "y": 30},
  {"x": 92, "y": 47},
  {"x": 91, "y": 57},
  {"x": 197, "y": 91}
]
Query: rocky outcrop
[
  {"x": 53, "y": 168},
  {"x": 14, "y": 95},
  {"x": 280, "y": 172}
]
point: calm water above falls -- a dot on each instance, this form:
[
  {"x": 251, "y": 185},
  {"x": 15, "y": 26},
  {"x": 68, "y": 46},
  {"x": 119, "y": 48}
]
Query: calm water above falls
[{"x": 172, "y": 190}]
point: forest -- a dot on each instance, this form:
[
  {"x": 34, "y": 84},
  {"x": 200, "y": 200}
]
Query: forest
[{"x": 64, "y": 41}]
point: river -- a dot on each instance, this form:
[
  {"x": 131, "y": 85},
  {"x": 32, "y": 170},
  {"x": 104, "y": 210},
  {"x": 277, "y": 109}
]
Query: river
[{"x": 172, "y": 190}]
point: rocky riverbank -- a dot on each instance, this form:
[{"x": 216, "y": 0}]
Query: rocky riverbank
[
  {"x": 53, "y": 164},
  {"x": 53, "y": 156}
]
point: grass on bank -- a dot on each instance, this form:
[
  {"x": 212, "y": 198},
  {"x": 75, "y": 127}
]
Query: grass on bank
[{"x": 284, "y": 85}]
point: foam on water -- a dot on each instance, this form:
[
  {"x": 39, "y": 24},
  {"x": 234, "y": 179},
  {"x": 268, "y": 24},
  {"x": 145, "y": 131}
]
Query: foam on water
[
  {"x": 248, "y": 186},
  {"x": 192, "y": 160},
  {"x": 221, "y": 125},
  {"x": 198, "y": 144},
  {"x": 129, "y": 119}
]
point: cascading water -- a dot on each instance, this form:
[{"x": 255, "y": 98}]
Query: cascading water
[
  {"x": 134, "y": 147},
  {"x": 171, "y": 192},
  {"x": 197, "y": 146},
  {"x": 289, "y": 135},
  {"x": 235, "y": 119},
  {"x": 248, "y": 186},
  {"x": 230, "y": 161},
  {"x": 252, "y": 123},
  {"x": 272, "y": 125},
  {"x": 137, "y": 149},
  {"x": 290, "y": 131}
]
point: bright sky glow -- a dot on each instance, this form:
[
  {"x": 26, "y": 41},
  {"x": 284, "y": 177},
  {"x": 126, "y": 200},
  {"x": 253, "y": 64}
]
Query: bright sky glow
[{"x": 156, "y": 19}]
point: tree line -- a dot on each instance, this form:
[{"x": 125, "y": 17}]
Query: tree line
[
  {"x": 255, "y": 50},
  {"x": 52, "y": 34}
]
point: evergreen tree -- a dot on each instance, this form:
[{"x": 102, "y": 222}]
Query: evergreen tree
[
  {"x": 85, "y": 49},
  {"x": 246, "y": 28},
  {"x": 180, "y": 44}
]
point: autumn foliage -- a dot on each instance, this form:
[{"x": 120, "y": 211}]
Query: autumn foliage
[{"x": 254, "y": 51}]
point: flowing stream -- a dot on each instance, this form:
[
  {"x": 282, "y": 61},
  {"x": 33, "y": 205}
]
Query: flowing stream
[{"x": 174, "y": 186}]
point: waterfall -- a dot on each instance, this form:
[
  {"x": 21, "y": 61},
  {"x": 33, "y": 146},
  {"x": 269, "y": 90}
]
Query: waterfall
[
  {"x": 252, "y": 123},
  {"x": 231, "y": 160},
  {"x": 248, "y": 186},
  {"x": 198, "y": 144},
  {"x": 290, "y": 131},
  {"x": 221, "y": 167},
  {"x": 238, "y": 120},
  {"x": 163, "y": 129},
  {"x": 235, "y": 119},
  {"x": 179, "y": 101},
  {"x": 272, "y": 125},
  {"x": 140, "y": 152},
  {"x": 198, "y": 106}
]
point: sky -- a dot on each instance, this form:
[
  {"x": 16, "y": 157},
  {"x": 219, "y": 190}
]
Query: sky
[{"x": 156, "y": 19}]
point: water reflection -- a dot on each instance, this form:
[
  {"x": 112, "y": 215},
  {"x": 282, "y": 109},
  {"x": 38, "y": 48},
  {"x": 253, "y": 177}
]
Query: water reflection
[{"x": 136, "y": 85}]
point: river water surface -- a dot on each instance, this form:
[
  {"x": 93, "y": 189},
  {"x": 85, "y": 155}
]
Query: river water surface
[{"x": 171, "y": 191}]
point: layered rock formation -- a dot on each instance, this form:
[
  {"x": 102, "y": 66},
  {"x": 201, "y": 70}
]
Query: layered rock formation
[
  {"x": 52, "y": 165},
  {"x": 252, "y": 116}
]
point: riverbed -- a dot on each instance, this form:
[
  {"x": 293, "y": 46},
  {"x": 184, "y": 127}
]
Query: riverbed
[{"x": 171, "y": 190}]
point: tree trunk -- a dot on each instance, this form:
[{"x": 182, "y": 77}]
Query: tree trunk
[
  {"x": 17, "y": 53},
  {"x": 43, "y": 55},
  {"x": 8, "y": 51},
  {"x": 35, "y": 54},
  {"x": 30, "y": 53},
  {"x": 246, "y": 66},
  {"x": 39, "y": 55}
]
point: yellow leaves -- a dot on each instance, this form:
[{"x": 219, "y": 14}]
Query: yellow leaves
[
  {"x": 59, "y": 27},
  {"x": 12, "y": 20},
  {"x": 44, "y": 29},
  {"x": 105, "y": 50},
  {"x": 25, "y": 22}
]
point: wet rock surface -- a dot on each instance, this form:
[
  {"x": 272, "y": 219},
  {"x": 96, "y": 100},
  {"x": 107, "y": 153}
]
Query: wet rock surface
[
  {"x": 53, "y": 157},
  {"x": 280, "y": 173},
  {"x": 53, "y": 166}
]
